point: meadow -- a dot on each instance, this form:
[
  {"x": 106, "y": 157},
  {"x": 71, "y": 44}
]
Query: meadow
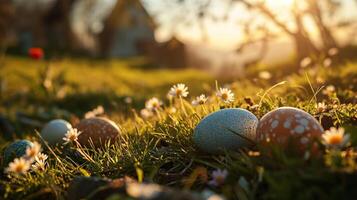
[{"x": 155, "y": 157}]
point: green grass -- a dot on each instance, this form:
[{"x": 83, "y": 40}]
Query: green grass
[{"x": 160, "y": 149}]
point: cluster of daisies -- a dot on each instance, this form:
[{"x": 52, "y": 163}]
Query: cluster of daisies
[
  {"x": 333, "y": 139},
  {"x": 32, "y": 160},
  {"x": 180, "y": 91}
]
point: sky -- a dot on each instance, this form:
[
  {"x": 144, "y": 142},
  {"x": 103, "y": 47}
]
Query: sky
[{"x": 225, "y": 35}]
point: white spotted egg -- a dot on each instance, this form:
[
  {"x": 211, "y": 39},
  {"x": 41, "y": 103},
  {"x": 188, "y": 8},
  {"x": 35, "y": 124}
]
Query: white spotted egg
[{"x": 279, "y": 125}]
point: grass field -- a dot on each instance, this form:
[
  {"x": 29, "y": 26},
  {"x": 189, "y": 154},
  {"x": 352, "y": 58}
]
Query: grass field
[{"x": 158, "y": 149}]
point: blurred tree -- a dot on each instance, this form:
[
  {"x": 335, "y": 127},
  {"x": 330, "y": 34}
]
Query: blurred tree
[
  {"x": 6, "y": 16},
  {"x": 322, "y": 13},
  {"x": 58, "y": 24}
]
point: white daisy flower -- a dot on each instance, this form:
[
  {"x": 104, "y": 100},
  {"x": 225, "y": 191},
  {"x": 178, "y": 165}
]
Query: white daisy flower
[
  {"x": 40, "y": 165},
  {"x": 145, "y": 113},
  {"x": 32, "y": 151},
  {"x": 321, "y": 107},
  {"x": 95, "y": 112},
  {"x": 172, "y": 110},
  {"x": 329, "y": 90},
  {"x": 332, "y": 51},
  {"x": 335, "y": 138},
  {"x": 18, "y": 166},
  {"x": 327, "y": 62},
  {"x": 305, "y": 62},
  {"x": 265, "y": 75},
  {"x": 179, "y": 90},
  {"x": 143, "y": 191},
  {"x": 200, "y": 100},
  {"x": 218, "y": 177},
  {"x": 71, "y": 135},
  {"x": 153, "y": 104},
  {"x": 41, "y": 156},
  {"x": 128, "y": 100},
  {"x": 226, "y": 95}
]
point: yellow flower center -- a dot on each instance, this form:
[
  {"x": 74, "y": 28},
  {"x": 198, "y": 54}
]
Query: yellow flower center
[
  {"x": 72, "y": 137},
  {"x": 32, "y": 153},
  {"x": 335, "y": 139},
  {"x": 224, "y": 96},
  {"x": 178, "y": 92},
  {"x": 19, "y": 168}
]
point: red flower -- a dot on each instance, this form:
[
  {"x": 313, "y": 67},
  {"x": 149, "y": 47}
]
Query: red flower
[{"x": 36, "y": 53}]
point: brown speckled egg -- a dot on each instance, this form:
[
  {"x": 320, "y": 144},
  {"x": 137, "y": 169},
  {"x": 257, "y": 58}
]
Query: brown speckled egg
[
  {"x": 285, "y": 123},
  {"x": 100, "y": 130}
]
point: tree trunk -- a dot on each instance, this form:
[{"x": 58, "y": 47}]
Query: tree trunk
[
  {"x": 57, "y": 20},
  {"x": 327, "y": 38},
  {"x": 303, "y": 44}
]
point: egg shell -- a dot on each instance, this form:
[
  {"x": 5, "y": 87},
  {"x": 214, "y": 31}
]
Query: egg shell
[
  {"x": 282, "y": 124},
  {"x": 226, "y": 129},
  {"x": 16, "y": 150},
  {"x": 98, "y": 129},
  {"x": 54, "y": 131}
]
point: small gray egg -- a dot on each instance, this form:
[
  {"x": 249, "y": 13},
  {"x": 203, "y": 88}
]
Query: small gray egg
[
  {"x": 54, "y": 131},
  {"x": 226, "y": 129}
]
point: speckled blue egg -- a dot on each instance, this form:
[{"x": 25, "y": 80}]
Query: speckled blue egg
[
  {"x": 227, "y": 129},
  {"x": 16, "y": 150},
  {"x": 54, "y": 131}
]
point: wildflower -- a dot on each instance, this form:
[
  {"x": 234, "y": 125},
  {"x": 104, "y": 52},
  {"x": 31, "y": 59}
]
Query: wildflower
[
  {"x": 47, "y": 83},
  {"x": 332, "y": 51},
  {"x": 335, "y": 138},
  {"x": 128, "y": 100},
  {"x": 200, "y": 100},
  {"x": 153, "y": 104},
  {"x": 321, "y": 107},
  {"x": 179, "y": 90},
  {"x": 40, "y": 165},
  {"x": 95, "y": 112},
  {"x": 305, "y": 62},
  {"x": 143, "y": 191},
  {"x": 327, "y": 62},
  {"x": 145, "y": 113},
  {"x": 254, "y": 107},
  {"x": 218, "y": 177},
  {"x": 172, "y": 110},
  {"x": 320, "y": 80},
  {"x": 265, "y": 75},
  {"x": 71, "y": 135},
  {"x": 33, "y": 151},
  {"x": 329, "y": 90},
  {"x": 18, "y": 166},
  {"x": 36, "y": 53},
  {"x": 225, "y": 95},
  {"x": 41, "y": 157}
]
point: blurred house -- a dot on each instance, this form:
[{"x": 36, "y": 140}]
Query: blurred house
[
  {"x": 97, "y": 28},
  {"x": 172, "y": 53},
  {"x": 127, "y": 31}
]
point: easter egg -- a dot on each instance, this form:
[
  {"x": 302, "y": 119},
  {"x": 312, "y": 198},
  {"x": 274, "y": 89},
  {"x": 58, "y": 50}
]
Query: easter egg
[
  {"x": 282, "y": 124},
  {"x": 16, "y": 150},
  {"x": 98, "y": 130},
  {"x": 226, "y": 129},
  {"x": 54, "y": 131}
]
